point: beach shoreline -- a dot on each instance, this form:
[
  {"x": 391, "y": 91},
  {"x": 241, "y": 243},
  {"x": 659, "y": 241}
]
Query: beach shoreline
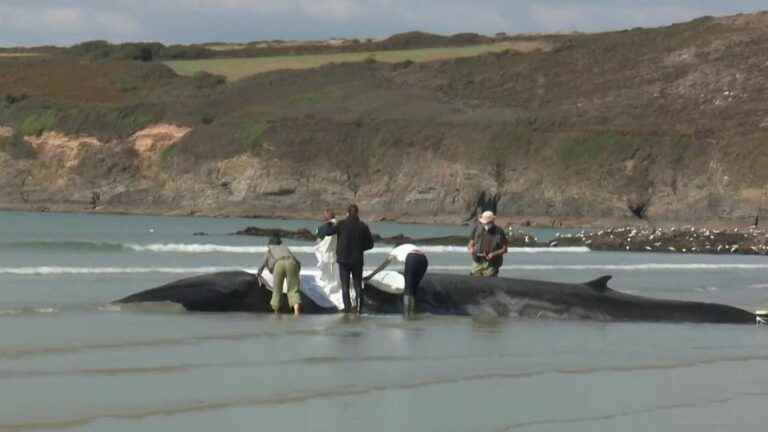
[{"x": 447, "y": 219}]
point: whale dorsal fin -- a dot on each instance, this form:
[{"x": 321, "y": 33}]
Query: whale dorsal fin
[{"x": 600, "y": 284}]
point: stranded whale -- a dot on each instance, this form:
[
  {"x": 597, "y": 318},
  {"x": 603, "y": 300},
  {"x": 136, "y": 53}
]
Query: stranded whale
[{"x": 450, "y": 294}]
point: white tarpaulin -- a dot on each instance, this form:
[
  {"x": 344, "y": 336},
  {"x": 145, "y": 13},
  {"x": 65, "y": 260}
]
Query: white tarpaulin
[
  {"x": 312, "y": 285},
  {"x": 328, "y": 279},
  {"x": 323, "y": 285}
]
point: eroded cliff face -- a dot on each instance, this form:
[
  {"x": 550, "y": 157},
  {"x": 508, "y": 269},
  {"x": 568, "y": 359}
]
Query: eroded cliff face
[
  {"x": 406, "y": 182},
  {"x": 664, "y": 124},
  {"x": 141, "y": 175}
]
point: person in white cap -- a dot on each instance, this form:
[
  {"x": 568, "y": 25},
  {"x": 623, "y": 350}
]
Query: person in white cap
[{"x": 487, "y": 246}]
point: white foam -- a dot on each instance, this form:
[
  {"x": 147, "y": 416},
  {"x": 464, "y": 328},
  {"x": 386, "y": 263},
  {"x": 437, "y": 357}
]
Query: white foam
[
  {"x": 28, "y": 311},
  {"x": 215, "y": 248},
  {"x": 8, "y": 312},
  {"x": 110, "y": 308},
  {"x": 108, "y": 270}
]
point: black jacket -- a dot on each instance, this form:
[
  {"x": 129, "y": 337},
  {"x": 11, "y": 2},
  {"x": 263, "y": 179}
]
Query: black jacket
[
  {"x": 354, "y": 239},
  {"x": 325, "y": 230}
]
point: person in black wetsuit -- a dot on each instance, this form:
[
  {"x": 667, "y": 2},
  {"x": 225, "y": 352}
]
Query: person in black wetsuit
[{"x": 354, "y": 238}]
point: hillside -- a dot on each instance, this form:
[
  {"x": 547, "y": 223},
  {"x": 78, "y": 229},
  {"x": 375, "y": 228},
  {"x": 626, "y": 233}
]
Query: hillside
[
  {"x": 669, "y": 124},
  {"x": 237, "y": 68}
]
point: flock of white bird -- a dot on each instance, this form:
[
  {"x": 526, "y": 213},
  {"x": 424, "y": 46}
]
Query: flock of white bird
[{"x": 687, "y": 239}]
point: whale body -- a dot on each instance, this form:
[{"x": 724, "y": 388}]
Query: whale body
[{"x": 451, "y": 294}]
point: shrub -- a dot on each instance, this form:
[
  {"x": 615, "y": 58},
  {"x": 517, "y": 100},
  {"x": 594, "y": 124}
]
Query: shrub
[
  {"x": 36, "y": 124},
  {"x": 207, "y": 80},
  {"x": 17, "y": 147},
  {"x": 11, "y": 99},
  {"x": 108, "y": 121},
  {"x": 168, "y": 153},
  {"x": 252, "y": 136}
]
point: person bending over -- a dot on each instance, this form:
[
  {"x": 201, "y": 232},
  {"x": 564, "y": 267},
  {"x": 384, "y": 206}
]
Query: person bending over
[
  {"x": 354, "y": 238},
  {"x": 487, "y": 245},
  {"x": 284, "y": 267},
  {"x": 415, "y": 267}
]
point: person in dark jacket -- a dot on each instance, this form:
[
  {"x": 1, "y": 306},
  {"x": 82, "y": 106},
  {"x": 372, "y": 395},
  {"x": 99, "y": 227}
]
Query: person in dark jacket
[
  {"x": 354, "y": 238},
  {"x": 488, "y": 244},
  {"x": 329, "y": 220}
]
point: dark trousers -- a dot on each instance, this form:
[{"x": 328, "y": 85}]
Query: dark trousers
[
  {"x": 415, "y": 269},
  {"x": 356, "y": 271}
]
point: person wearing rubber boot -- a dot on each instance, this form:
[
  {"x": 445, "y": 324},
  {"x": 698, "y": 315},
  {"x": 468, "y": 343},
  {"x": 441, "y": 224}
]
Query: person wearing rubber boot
[
  {"x": 354, "y": 238},
  {"x": 284, "y": 268},
  {"x": 415, "y": 267},
  {"x": 487, "y": 246}
]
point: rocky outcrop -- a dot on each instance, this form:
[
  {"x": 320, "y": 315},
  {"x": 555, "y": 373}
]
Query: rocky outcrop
[{"x": 516, "y": 238}]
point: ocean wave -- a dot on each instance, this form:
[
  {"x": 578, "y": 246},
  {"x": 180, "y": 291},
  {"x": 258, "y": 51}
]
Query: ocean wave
[
  {"x": 52, "y": 270},
  {"x": 203, "y": 248},
  {"x": 27, "y": 311},
  {"x": 79, "y": 246}
]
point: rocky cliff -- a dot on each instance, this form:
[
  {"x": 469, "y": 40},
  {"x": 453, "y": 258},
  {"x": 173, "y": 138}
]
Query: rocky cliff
[{"x": 665, "y": 124}]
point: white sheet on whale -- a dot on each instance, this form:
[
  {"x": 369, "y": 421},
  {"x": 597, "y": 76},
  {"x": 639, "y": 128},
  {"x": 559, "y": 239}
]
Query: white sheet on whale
[
  {"x": 312, "y": 286},
  {"x": 389, "y": 281}
]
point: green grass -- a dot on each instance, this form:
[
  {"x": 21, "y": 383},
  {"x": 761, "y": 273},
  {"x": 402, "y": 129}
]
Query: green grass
[
  {"x": 602, "y": 146},
  {"x": 107, "y": 121},
  {"x": 237, "y": 68}
]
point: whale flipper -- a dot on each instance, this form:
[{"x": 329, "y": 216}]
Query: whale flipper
[{"x": 600, "y": 284}]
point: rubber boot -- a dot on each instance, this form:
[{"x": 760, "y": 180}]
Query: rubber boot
[
  {"x": 407, "y": 302},
  {"x": 359, "y": 302}
]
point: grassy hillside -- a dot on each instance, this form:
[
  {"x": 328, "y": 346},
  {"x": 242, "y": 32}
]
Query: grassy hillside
[
  {"x": 237, "y": 68},
  {"x": 671, "y": 120}
]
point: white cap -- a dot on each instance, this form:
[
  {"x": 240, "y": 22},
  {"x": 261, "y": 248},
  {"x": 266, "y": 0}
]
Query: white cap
[{"x": 487, "y": 217}]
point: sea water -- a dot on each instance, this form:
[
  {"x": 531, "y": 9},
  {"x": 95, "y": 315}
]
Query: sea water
[{"x": 71, "y": 361}]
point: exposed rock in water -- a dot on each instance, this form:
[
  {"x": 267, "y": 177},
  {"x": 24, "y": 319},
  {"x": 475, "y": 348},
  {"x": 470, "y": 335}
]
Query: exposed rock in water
[
  {"x": 301, "y": 234},
  {"x": 516, "y": 239}
]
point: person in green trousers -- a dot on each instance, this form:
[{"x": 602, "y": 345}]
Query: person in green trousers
[{"x": 284, "y": 268}]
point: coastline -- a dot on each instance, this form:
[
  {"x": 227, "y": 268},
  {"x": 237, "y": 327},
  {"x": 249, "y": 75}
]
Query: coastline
[{"x": 448, "y": 219}]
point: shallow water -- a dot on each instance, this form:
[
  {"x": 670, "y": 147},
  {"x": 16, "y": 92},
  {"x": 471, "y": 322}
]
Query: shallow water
[{"x": 70, "y": 361}]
